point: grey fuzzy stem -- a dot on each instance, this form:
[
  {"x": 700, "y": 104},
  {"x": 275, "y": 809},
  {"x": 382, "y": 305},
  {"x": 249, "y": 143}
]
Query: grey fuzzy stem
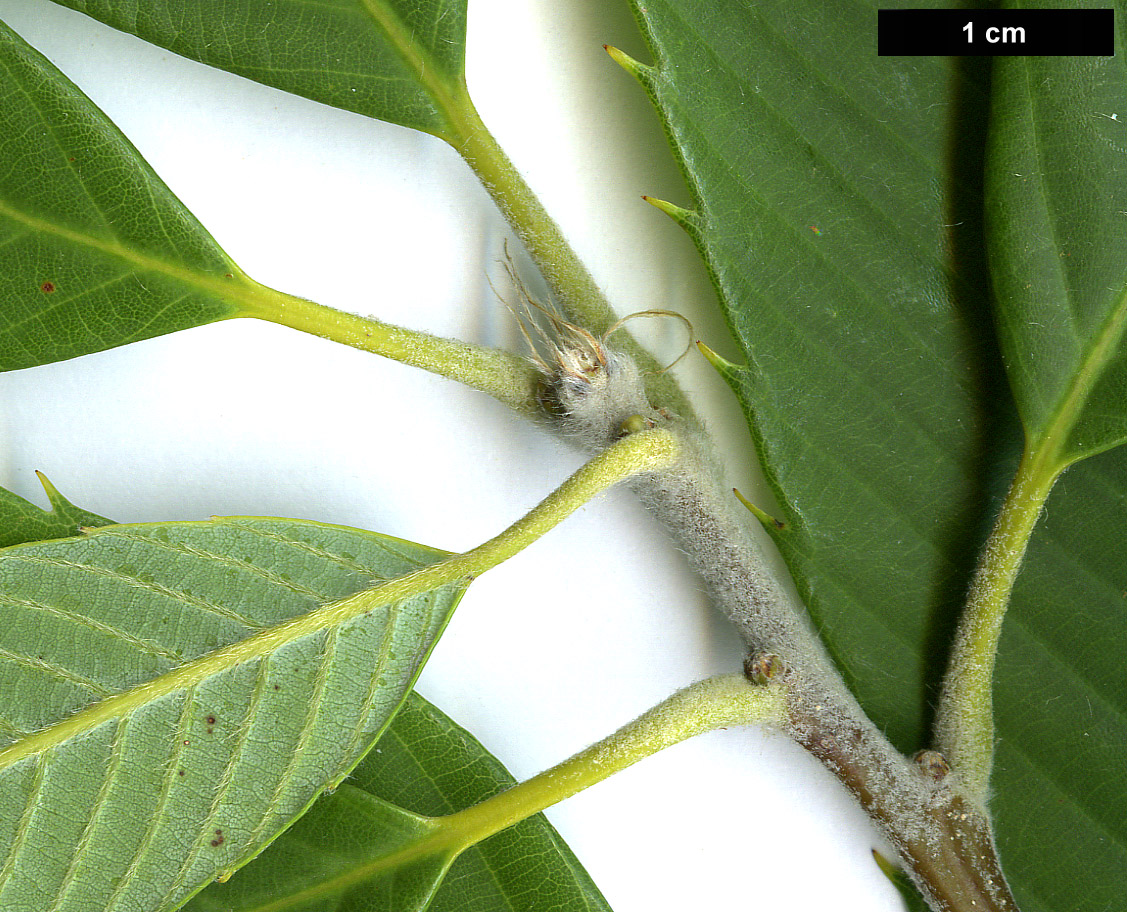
[
  {"x": 595, "y": 395},
  {"x": 944, "y": 839}
]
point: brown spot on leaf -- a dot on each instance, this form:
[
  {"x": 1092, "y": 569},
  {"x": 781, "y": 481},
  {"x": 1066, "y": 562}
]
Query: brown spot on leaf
[{"x": 47, "y": 287}]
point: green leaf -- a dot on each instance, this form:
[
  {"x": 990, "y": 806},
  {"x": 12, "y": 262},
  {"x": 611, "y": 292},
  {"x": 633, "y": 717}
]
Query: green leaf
[
  {"x": 395, "y": 60},
  {"x": 815, "y": 168},
  {"x": 177, "y": 693},
  {"x": 424, "y": 761},
  {"x": 1056, "y": 197},
  {"x": 837, "y": 201},
  {"x": 95, "y": 251},
  {"x": 22, "y": 521},
  {"x": 355, "y": 852},
  {"x": 913, "y": 901},
  {"x": 1060, "y": 783}
]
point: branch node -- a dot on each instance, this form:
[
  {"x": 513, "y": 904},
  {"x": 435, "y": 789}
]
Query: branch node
[
  {"x": 763, "y": 667},
  {"x": 932, "y": 764}
]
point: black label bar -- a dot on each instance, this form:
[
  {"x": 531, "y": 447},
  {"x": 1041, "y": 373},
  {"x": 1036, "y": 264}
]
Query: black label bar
[{"x": 1039, "y": 32}]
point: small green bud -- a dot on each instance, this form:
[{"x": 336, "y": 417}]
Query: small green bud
[{"x": 634, "y": 424}]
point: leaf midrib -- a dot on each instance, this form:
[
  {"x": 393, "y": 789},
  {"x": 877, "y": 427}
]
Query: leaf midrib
[
  {"x": 259, "y": 644},
  {"x": 421, "y": 63},
  {"x": 1053, "y": 438},
  {"x": 236, "y": 286}
]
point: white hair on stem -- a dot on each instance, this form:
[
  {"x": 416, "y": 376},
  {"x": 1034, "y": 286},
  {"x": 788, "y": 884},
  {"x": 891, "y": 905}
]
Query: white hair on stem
[{"x": 597, "y": 395}]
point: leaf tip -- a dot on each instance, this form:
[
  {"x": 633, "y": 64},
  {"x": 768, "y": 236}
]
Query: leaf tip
[{"x": 887, "y": 867}]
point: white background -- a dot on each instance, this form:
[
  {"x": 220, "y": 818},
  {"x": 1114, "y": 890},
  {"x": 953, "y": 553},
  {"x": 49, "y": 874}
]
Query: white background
[{"x": 584, "y": 630}]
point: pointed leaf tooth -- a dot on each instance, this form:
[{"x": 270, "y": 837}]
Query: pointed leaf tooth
[
  {"x": 769, "y": 522},
  {"x": 723, "y": 366},
  {"x": 887, "y": 866},
  {"x": 59, "y": 504},
  {"x": 899, "y": 878},
  {"x": 686, "y": 218},
  {"x": 53, "y": 496},
  {"x": 641, "y": 72}
]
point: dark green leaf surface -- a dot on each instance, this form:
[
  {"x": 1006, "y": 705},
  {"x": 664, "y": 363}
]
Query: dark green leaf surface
[
  {"x": 95, "y": 251},
  {"x": 1056, "y": 197},
  {"x": 427, "y": 763},
  {"x": 1057, "y": 191},
  {"x": 177, "y": 693},
  {"x": 23, "y": 521},
  {"x": 837, "y": 209},
  {"x": 389, "y": 59},
  {"x": 1060, "y": 780},
  {"x": 819, "y": 172}
]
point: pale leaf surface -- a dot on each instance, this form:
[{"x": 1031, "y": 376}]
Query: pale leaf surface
[
  {"x": 425, "y": 762},
  {"x": 174, "y": 699}
]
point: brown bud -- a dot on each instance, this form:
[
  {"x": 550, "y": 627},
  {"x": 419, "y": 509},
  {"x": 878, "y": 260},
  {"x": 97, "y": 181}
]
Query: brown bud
[
  {"x": 932, "y": 764},
  {"x": 761, "y": 667}
]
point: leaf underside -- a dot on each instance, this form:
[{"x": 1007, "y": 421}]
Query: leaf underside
[
  {"x": 426, "y": 763},
  {"x": 381, "y": 58},
  {"x": 1055, "y": 203},
  {"x": 838, "y": 200},
  {"x": 148, "y": 746}
]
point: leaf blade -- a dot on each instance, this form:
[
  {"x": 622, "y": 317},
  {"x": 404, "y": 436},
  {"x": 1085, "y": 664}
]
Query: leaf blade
[
  {"x": 1056, "y": 190},
  {"x": 389, "y": 59},
  {"x": 95, "y": 251},
  {"x": 222, "y": 750},
  {"x": 23, "y": 521},
  {"x": 1060, "y": 702},
  {"x": 426, "y": 762},
  {"x": 911, "y": 527},
  {"x": 862, "y": 345}
]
